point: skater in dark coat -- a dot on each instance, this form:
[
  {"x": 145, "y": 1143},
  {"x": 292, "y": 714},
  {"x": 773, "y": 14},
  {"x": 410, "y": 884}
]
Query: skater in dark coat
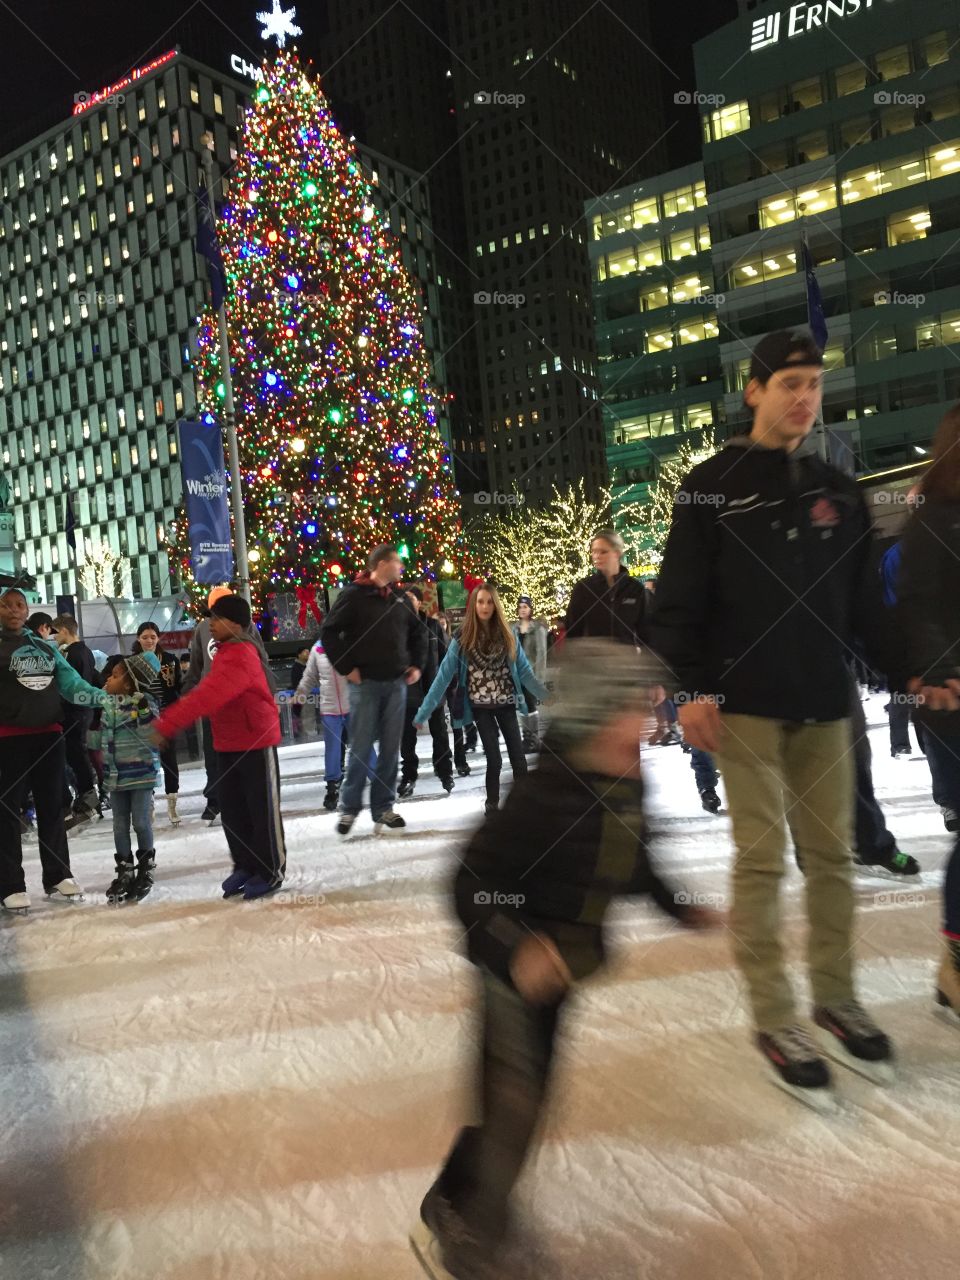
[
  {"x": 532, "y": 891},
  {"x": 34, "y": 679}
]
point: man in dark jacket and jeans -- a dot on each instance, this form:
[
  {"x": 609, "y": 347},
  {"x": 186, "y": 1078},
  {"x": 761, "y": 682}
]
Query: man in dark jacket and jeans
[
  {"x": 442, "y": 758},
  {"x": 765, "y": 577},
  {"x": 373, "y": 637}
]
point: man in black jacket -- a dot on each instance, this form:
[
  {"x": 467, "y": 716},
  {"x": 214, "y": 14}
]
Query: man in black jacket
[
  {"x": 373, "y": 637},
  {"x": 442, "y": 758},
  {"x": 77, "y": 720},
  {"x": 763, "y": 582}
]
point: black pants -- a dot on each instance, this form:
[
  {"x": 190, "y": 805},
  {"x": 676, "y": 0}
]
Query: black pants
[
  {"x": 32, "y": 762},
  {"x": 874, "y": 843},
  {"x": 442, "y": 759},
  {"x": 512, "y": 1081},
  {"x": 211, "y": 764},
  {"x": 899, "y": 717},
  {"x": 249, "y": 790},
  {"x": 171, "y": 769},
  {"x": 488, "y": 720},
  {"x": 74, "y": 741}
]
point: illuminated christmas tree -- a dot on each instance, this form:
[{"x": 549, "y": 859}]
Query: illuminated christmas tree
[
  {"x": 337, "y": 421},
  {"x": 658, "y": 514}
]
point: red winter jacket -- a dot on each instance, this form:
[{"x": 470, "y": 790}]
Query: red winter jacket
[{"x": 234, "y": 697}]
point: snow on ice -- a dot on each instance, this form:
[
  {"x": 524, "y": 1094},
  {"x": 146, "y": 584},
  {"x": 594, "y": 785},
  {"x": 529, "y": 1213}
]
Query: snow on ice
[{"x": 205, "y": 1090}]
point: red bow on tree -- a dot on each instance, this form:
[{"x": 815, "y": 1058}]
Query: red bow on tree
[{"x": 308, "y": 600}]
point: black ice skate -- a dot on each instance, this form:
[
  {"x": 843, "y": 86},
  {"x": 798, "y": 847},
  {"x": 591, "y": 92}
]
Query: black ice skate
[
  {"x": 122, "y": 887},
  {"x": 798, "y": 1068},
  {"x": 332, "y": 796},
  {"x": 710, "y": 801},
  {"x": 851, "y": 1037},
  {"x": 895, "y": 866},
  {"x": 446, "y": 1247},
  {"x": 146, "y": 865},
  {"x": 406, "y": 788}
]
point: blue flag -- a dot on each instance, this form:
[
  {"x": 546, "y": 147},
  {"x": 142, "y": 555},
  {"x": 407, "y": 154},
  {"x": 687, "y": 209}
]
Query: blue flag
[
  {"x": 208, "y": 247},
  {"x": 70, "y": 525},
  {"x": 205, "y": 497},
  {"x": 818, "y": 321}
]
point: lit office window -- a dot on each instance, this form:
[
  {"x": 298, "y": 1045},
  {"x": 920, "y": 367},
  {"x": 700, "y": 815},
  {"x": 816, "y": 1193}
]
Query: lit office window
[
  {"x": 908, "y": 225},
  {"x": 729, "y": 119},
  {"x": 658, "y": 340}
]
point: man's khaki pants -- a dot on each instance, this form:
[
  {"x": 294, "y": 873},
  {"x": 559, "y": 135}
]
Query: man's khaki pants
[{"x": 777, "y": 773}]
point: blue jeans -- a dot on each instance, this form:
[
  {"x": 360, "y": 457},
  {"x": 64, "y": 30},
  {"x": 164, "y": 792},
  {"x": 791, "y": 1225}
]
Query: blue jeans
[
  {"x": 336, "y": 734},
  {"x": 136, "y": 806},
  {"x": 376, "y": 715},
  {"x": 943, "y": 752},
  {"x": 704, "y": 770}
]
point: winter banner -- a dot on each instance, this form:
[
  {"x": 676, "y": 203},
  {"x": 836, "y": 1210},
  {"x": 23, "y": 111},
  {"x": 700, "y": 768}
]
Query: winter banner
[{"x": 205, "y": 494}]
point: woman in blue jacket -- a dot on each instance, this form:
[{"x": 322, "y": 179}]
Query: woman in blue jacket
[{"x": 492, "y": 672}]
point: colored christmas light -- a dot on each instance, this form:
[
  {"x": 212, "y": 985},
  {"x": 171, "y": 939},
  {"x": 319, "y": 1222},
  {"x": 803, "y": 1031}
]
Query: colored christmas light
[{"x": 336, "y": 412}]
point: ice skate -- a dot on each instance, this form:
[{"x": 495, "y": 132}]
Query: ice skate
[
  {"x": 210, "y": 814},
  {"x": 146, "y": 865},
  {"x": 332, "y": 797},
  {"x": 121, "y": 888},
  {"x": 710, "y": 801},
  {"x": 447, "y": 783},
  {"x": 235, "y": 883},
  {"x": 797, "y": 1067},
  {"x": 172, "y": 814},
  {"x": 850, "y": 1036},
  {"x": 16, "y": 904},
  {"x": 896, "y": 866},
  {"x": 446, "y": 1247},
  {"x": 66, "y": 891},
  {"x": 345, "y": 825},
  {"x": 406, "y": 788},
  {"x": 391, "y": 820}
]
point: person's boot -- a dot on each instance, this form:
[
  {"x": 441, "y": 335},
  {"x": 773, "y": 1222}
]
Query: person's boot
[
  {"x": 332, "y": 796},
  {"x": 531, "y": 743},
  {"x": 122, "y": 887},
  {"x": 146, "y": 865},
  {"x": 172, "y": 809}
]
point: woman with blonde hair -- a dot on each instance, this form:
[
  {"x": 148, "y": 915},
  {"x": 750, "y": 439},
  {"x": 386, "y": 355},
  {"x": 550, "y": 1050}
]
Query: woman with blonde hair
[
  {"x": 928, "y": 602},
  {"x": 491, "y": 672}
]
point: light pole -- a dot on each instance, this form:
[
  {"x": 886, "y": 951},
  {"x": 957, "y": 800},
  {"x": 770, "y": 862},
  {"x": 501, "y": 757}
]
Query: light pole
[{"x": 229, "y": 417}]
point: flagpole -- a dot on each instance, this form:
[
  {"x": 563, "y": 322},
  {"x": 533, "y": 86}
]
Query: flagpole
[
  {"x": 70, "y": 520},
  {"x": 819, "y": 425},
  {"x": 229, "y": 416}
]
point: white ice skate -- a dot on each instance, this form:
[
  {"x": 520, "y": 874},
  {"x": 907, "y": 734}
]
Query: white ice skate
[
  {"x": 172, "y": 814},
  {"x": 17, "y": 904},
  {"x": 66, "y": 891}
]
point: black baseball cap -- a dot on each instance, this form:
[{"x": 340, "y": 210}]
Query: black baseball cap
[{"x": 779, "y": 350}]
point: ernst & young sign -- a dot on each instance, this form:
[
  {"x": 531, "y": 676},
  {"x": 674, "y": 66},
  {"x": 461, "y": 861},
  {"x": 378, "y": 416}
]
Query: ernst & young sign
[{"x": 803, "y": 17}]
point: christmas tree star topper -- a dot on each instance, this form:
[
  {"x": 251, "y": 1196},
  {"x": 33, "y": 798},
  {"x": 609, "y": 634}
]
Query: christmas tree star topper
[{"x": 278, "y": 24}]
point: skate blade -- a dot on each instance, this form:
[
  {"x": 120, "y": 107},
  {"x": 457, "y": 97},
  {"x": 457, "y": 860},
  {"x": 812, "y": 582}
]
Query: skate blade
[
  {"x": 426, "y": 1250},
  {"x": 882, "y": 873},
  {"x": 64, "y": 897},
  {"x": 823, "y": 1101},
  {"x": 881, "y": 1073},
  {"x": 16, "y": 911}
]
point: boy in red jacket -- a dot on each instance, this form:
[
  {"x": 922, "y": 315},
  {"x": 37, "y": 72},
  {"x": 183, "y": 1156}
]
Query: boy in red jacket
[{"x": 236, "y": 699}]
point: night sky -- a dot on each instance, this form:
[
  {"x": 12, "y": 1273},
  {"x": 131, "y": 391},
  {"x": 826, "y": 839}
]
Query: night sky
[{"x": 50, "y": 49}]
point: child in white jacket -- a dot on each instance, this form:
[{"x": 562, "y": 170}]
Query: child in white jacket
[{"x": 333, "y": 704}]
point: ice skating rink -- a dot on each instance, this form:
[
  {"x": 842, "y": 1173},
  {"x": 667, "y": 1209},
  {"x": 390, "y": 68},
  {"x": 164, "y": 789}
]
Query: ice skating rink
[{"x": 205, "y": 1090}]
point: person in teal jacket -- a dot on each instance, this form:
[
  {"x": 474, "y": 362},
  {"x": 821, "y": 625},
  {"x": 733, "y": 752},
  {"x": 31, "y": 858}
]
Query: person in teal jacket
[
  {"x": 491, "y": 672},
  {"x": 34, "y": 676}
]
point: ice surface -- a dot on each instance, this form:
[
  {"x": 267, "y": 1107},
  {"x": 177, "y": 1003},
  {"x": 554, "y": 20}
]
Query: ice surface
[{"x": 209, "y": 1090}]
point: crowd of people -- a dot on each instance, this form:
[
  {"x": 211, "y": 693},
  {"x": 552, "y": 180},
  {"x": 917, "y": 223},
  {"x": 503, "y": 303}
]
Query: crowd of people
[{"x": 769, "y": 601}]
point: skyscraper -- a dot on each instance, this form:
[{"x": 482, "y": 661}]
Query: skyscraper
[{"x": 516, "y": 113}]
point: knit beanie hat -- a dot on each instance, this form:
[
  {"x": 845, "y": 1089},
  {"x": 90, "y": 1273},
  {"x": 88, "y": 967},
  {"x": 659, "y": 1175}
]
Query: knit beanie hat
[
  {"x": 524, "y": 600},
  {"x": 599, "y": 679},
  {"x": 233, "y": 608},
  {"x": 143, "y": 669}
]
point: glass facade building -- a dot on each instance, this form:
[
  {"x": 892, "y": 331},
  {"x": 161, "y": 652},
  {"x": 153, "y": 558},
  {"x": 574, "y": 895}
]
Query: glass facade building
[
  {"x": 839, "y": 122},
  {"x": 99, "y": 291},
  {"x": 658, "y": 345},
  {"x": 843, "y": 118}
]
